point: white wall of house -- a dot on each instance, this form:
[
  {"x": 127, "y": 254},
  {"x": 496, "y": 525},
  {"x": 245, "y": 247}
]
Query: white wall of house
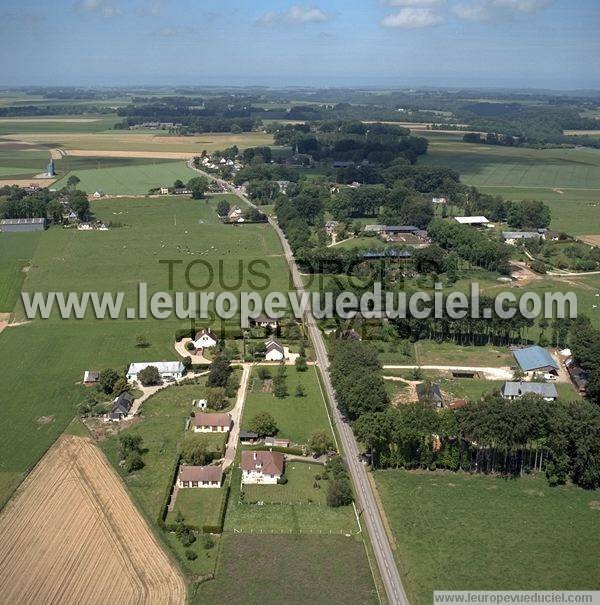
[
  {"x": 205, "y": 342},
  {"x": 274, "y": 355},
  {"x": 198, "y": 484},
  {"x": 249, "y": 477},
  {"x": 211, "y": 429}
]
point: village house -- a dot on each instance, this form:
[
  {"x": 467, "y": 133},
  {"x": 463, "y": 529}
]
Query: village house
[
  {"x": 439, "y": 200},
  {"x": 536, "y": 359},
  {"x": 200, "y": 476},
  {"x": 274, "y": 350},
  {"x": 263, "y": 321},
  {"x": 205, "y": 422},
  {"x": 90, "y": 377},
  {"x": 373, "y": 228},
  {"x": 205, "y": 339},
  {"x": 261, "y": 467},
  {"x": 121, "y": 406},
  {"x": 330, "y": 227},
  {"x": 166, "y": 369},
  {"x": 577, "y": 374},
  {"x": 515, "y": 390},
  {"x": 248, "y": 437},
  {"x": 164, "y": 191},
  {"x": 235, "y": 215}
]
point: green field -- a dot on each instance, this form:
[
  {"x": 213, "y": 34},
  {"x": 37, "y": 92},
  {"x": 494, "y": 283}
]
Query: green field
[
  {"x": 456, "y": 531},
  {"x": 49, "y": 356},
  {"x": 429, "y": 352},
  {"x": 198, "y": 506},
  {"x": 127, "y": 180},
  {"x": 296, "y": 417},
  {"x": 57, "y": 124},
  {"x": 290, "y": 569},
  {"x": 567, "y": 179},
  {"x": 16, "y": 251}
]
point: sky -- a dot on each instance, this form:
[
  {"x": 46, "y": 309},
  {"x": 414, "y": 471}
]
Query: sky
[{"x": 389, "y": 43}]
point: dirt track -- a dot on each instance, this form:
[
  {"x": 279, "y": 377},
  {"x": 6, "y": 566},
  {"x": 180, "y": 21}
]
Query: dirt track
[{"x": 72, "y": 535}]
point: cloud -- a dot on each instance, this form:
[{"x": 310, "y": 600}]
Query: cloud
[
  {"x": 497, "y": 9},
  {"x": 151, "y": 8},
  {"x": 412, "y": 18},
  {"x": 99, "y": 6},
  {"x": 414, "y": 2},
  {"x": 296, "y": 14}
]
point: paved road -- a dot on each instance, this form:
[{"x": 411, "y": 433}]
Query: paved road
[{"x": 366, "y": 500}]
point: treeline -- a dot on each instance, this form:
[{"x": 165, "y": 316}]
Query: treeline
[
  {"x": 351, "y": 141},
  {"x": 16, "y": 111},
  {"x": 19, "y": 203},
  {"x": 490, "y": 436},
  {"x": 532, "y": 214},
  {"x": 471, "y": 244},
  {"x": 584, "y": 341}
]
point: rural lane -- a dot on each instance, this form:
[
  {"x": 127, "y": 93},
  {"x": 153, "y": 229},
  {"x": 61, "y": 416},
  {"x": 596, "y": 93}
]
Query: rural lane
[{"x": 366, "y": 499}]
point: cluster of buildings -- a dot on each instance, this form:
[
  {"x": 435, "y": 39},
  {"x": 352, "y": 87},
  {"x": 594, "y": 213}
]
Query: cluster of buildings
[{"x": 211, "y": 162}]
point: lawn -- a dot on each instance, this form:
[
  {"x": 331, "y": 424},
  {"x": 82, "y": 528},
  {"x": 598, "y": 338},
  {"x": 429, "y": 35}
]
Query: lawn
[
  {"x": 49, "y": 356},
  {"x": 457, "y": 531},
  {"x": 292, "y": 516},
  {"x": 296, "y": 417},
  {"x": 567, "y": 179},
  {"x": 429, "y": 352},
  {"x": 300, "y": 488},
  {"x": 198, "y": 506},
  {"x": 290, "y": 569},
  {"x": 132, "y": 180}
]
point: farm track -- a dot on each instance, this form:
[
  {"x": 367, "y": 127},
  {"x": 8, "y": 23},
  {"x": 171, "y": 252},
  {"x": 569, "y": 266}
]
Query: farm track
[{"x": 72, "y": 535}]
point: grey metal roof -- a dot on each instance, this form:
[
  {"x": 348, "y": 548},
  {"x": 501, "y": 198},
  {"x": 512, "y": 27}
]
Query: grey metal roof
[
  {"x": 520, "y": 234},
  {"x": 516, "y": 389},
  {"x": 22, "y": 221},
  {"x": 534, "y": 358},
  {"x": 434, "y": 395}
]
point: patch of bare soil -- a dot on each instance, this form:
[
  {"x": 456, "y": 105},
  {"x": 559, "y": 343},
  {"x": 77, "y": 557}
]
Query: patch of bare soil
[{"x": 44, "y": 419}]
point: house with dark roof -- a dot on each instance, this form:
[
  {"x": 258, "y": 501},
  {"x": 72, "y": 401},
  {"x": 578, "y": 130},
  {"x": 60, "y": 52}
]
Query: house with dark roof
[
  {"x": 205, "y": 339},
  {"x": 248, "y": 437},
  {"x": 430, "y": 393},
  {"x": 209, "y": 476},
  {"x": 261, "y": 467},
  {"x": 263, "y": 321},
  {"x": 535, "y": 359},
  {"x": 516, "y": 390},
  {"x": 274, "y": 350},
  {"x": 205, "y": 422},
  {"x": 122, "y": 404}
]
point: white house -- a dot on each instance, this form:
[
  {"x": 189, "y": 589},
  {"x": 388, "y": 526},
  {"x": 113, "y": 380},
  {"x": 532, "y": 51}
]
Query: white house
[
  {"x": 205, "y": 422},
  {"x": 164, "y": 191},
  {"x": 200, "y": 403},
  {"x": 166, "y": 369},
  {"x": 438, "y": 200},
  {"x": 235, "y": 215},
  {"x": 512, "y": 237},
  {"x": 200, "y": 476},
  {"x": 205, "y": 339},
  {"x": 98, "y": 193},
  {"x": 274, "y": 351},
  {"x": 261, "y": 467}
]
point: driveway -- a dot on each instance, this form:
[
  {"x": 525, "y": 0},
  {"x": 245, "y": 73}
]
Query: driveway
[{"x": 236, "y": 416}]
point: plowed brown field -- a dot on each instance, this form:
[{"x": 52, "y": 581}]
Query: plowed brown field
[{"x": 72, "y": 535}]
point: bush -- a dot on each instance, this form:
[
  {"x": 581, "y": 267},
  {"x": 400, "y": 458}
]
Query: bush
[
  {"x": 149, "y": 376},
  {"x": 282, "y": 480},
  {"x": 190, "y": 555},
  {"x": 207, "y": 541},
  {"x": 190, "y": 346},
  {"x": 339, "y": 492},
  {"x": 183, "y": 333},
  {"x": 133, "y": 462}
]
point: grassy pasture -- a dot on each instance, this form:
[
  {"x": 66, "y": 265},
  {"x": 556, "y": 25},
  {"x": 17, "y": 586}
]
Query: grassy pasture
[
  {"x": 290, "y": 569},
  {"x": 296, "y": 417},
  {"x": 123, "y": 180},
  {"x": 567, "y": 179},
  {"x": 198, "y": 506},
  {"x": 446, "y": 353},
  {"x": 57, "y": 124},
  {"x": 16, "y": 251},
  {"x": 462, "y": 532}
]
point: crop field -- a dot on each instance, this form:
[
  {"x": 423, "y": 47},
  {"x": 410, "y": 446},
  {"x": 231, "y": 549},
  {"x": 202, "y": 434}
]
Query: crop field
[
  {"x": 567, "y": 179},
  {"x": 56, "y": 124},
  {"x": 290, "y": 569},
  {"x": 296, "y": 417},
  {"x": 456, "y": 531},
  {"x": 133, "y": 141},
  {"x": 72, "y": 535},
  {"x": 132, "y": 180},
  {"x": 51, "y": 355}
]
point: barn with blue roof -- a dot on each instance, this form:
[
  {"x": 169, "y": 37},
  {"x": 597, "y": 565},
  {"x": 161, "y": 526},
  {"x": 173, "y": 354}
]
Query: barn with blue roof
[{"x": 536, "y": 359}]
